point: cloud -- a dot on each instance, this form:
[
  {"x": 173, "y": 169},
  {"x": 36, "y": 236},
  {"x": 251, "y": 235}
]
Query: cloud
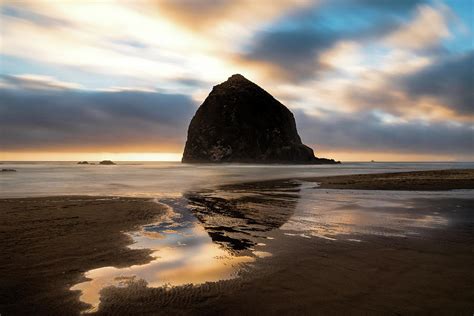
[
  {"x": 368, "y": 131},
  {"x": 200, "y": 15},
  {"x": 293, "y": 44},
  {"x": 406, "y": 86},
  {"x": 28, "y": 15},
  {"x": 369, "y": 71},
  {"x": 440, "y": 89},
  {"x": 37, "y": 82},
  {"x": 150, "y": 49},
  {"x": 450, "y": 80},
  {"x": 291, "y": 53},
  {"x": 36, "y": 119},
  {"x": 417, "y": 35}
]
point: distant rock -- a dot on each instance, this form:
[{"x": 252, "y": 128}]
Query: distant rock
[
  {"x": 240, "y": 122},
  {"x": 83, "y": 163},
  {"x": 106, "y": 162},
  {"x": 8, "y": 170}
]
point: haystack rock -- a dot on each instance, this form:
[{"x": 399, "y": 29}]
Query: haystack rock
[{"x": 242, "y": 123}]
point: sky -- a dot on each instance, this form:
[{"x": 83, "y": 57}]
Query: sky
[{"x": 366, "y": 79}]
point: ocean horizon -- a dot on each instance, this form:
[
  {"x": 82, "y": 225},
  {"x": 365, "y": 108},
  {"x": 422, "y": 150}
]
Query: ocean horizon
[{"x": 151, "y": 179}]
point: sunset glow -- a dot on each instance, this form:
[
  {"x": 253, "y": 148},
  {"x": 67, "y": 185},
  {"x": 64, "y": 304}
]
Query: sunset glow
[{"x": 71, "y": 156}]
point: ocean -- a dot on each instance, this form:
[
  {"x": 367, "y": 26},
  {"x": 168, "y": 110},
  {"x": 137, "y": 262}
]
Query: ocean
[{"x": 165, "y": 179}]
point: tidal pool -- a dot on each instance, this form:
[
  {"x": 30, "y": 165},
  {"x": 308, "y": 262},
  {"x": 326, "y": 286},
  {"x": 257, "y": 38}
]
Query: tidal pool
[{"x": 183, "y": 253}]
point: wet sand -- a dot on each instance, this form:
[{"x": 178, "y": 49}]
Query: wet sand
[
  {"x": 381, "y": 276},
  {"x": 436, "y": 180},
  {"x": 48, "y": 243},
  {"x": 428, "y": 271}
]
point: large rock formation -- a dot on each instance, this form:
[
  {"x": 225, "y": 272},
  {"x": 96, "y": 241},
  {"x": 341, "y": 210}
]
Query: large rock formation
[{"x": 241, "y": 122}]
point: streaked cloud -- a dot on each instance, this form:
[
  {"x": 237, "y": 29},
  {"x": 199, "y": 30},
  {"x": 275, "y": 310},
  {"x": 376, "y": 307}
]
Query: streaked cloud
[
  {"x": 378, "y": 69},
  {"x": 60, "y": 119},
  {"x": 37, "y": 82},
  {"x": 427, "y": 29},
  {"x": 212, "y": 14},
  {"x": 450, "y": 80},
  {"x": 369, "y": 131},
  {"x": 293, "y": 44}
]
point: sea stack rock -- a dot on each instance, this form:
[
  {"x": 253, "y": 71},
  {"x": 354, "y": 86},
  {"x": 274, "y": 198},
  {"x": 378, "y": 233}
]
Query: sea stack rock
[
  {"x": 240, "y": 122},
  {"x": 106, "y": 162}
]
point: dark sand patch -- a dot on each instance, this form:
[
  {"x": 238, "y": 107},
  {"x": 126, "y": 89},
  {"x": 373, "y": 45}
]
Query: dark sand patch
[
  {"x": 48, "y": 243},
  {"x": 436, "y": 180}
]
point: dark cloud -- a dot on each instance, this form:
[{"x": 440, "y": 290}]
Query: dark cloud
[
  {"x": 72, "y": 119},
  {"x": 451, "y": 80},
  {"x": 388, "y": 5},
  {"x": 36, "y": 119},
  {"x": 366, "y": 131},
  {"x": 291, "y": 51},
  {"x": 294, "y": 42}
]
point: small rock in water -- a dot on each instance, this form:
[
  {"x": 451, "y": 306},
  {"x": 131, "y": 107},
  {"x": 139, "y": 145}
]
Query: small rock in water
[
  {"x": 107, "y": 162},
  {"x": 8, "y": 170},
  {"x": 83, "y": 163}
]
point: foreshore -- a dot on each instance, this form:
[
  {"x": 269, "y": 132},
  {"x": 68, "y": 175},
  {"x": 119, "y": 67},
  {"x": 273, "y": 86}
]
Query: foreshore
[
  {"x": 49, "y": 243},
  {"x": 435, "y": 180}
]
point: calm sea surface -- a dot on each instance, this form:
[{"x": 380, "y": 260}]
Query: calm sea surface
[{"x": 158, "y": 179}]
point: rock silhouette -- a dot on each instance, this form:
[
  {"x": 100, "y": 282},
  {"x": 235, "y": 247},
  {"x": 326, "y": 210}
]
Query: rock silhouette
[
  {"x": 106, "y": 162},
  {"x": 240, "y": 122}
]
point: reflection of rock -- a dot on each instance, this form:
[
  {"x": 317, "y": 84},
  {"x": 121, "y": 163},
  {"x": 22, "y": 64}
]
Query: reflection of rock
[
  {"x": 236, "y": 216},
  {"x": 83, "y": 163},
  {"x": 107, "y": 162},
  {"x": 8, "y": 170},
  {"x": 241, "y": 122}
]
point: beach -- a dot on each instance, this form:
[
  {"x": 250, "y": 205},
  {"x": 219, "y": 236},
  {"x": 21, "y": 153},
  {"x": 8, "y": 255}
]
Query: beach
[
  {"x": 435, "y": 180},
  {"x": 48, "y": 243},
  {"x": 302, "y": 245}
]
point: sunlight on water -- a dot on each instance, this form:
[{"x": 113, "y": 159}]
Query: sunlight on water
[{"x": 335, "y": 214}]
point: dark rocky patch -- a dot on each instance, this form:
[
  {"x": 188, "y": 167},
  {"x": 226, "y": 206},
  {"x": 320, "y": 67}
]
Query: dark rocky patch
[{"x": 107, "y": 162}]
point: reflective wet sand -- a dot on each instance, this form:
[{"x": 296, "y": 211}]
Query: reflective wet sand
[
  {"x": 215, "y": 235},
  {"x": 203, "y": 237},
  {"x": 183, "y": 253}
]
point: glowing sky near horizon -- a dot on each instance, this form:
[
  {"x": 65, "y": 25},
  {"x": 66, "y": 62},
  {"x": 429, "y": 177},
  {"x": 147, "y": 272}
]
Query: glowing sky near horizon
[{"x": 383, "y": 80}]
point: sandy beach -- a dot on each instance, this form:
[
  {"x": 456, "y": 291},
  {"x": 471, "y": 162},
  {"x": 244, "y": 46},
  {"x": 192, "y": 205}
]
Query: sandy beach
[
  {"x": 48, "y": 243},
  {"x": 421, "y": 264},
  {"x": 436, "y": 180}
]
